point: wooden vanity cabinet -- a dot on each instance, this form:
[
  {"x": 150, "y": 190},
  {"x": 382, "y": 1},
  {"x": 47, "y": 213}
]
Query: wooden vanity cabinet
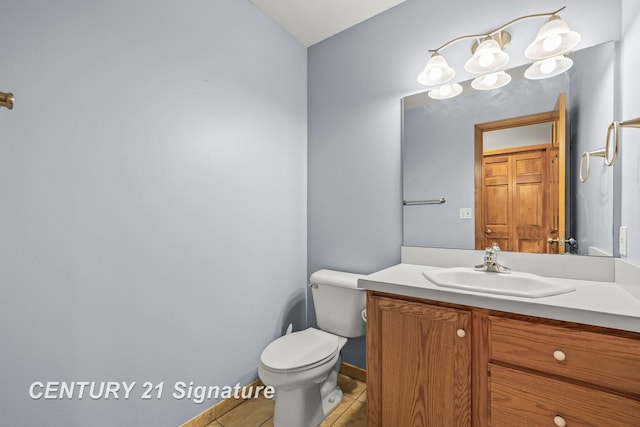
[
  {"x": 434, "y": 364},
  {"x": 418, "y": 363},
  {"x": 561, "y": 374}
]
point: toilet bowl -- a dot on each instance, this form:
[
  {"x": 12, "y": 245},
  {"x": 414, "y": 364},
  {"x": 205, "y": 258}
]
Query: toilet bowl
[{"x": 303, "y": 366}]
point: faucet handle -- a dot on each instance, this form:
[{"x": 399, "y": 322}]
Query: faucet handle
[{"x": 493, "y": 248}]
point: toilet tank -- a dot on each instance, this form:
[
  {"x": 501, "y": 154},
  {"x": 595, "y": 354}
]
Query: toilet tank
[{"x": 338, "y": 302}]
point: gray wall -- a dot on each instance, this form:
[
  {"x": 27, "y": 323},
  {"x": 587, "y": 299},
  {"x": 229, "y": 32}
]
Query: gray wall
[
  {"x": 356, "y": 80},
  {"x": 630, "y": 138},
  {"x": 153, "y": 187},
  {"x": 592, "y": 106}
]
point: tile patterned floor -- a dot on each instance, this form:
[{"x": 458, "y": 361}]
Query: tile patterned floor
[{"x": 351, "y": 412}]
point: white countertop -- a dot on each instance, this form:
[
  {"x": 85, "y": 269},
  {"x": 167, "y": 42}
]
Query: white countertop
[{"x": 594, "y": 303}]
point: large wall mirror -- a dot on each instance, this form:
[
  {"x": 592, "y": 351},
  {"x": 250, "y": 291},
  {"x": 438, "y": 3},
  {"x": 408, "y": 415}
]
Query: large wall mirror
[{"x": 440, "y": 156}]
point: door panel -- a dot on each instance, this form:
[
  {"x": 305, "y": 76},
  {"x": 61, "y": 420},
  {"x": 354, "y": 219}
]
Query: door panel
[
  {"x": 497, "y": 201},
  {"x": 531, "y": 221},
  {"x": 516, "y": 193}
]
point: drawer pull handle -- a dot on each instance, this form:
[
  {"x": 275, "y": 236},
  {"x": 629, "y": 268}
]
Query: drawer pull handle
[
  {"x": 559, "y": 421},
  {"x": 461, "y": 333},
  {"x": 559, "y": 355}
]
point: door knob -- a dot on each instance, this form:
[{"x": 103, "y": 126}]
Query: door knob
[
  {"x": 488, "y": 231},
  {"x": 562, "y": 240}
]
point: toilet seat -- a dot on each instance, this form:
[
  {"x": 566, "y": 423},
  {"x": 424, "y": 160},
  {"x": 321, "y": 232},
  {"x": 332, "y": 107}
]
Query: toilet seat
[{"x": 300, "y": 351}]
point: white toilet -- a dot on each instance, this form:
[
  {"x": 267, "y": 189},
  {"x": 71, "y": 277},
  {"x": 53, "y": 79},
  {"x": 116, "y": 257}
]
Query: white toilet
[{"x": 303, "y": 366}]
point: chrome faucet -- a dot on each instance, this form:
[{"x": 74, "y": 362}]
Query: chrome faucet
[{"x": 491, "y": 261}]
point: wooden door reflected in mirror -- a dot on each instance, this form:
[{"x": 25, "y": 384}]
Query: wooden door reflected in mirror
[{"x": 519, "y": 182}]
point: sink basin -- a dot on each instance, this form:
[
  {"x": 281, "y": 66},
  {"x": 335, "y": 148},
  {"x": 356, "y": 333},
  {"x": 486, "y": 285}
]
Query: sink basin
[{"x": 516, "y": 284}]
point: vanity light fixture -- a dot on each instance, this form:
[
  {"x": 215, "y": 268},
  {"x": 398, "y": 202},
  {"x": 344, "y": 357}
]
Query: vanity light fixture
[
  {"x": 488, "y": 56},
  {"x": 551, "y": 43},
  {"x": 491, "y": 81},
  {"x": 549, "y": 67},
  {"x": 554, "y": 38},
  {"x": 436, "y": 72},
  {"x": 445, "y": 91}
]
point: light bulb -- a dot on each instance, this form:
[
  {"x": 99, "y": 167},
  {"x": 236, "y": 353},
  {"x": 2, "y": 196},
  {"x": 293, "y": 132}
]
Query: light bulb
[
  {"x": 485, "y": 60},
  {"x": 435, "y": 74},
  {"x": 490, "y": 79},
  {"x": 445, "y": 90},
  {"x": 548, "y": 66},
  {"x": 551, "y": 43}
]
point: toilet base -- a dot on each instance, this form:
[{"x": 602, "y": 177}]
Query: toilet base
[
  {"x": 329, "y": 391},
  {"x": 299, "y": 410},
  {"x": 308, "y": 406},
  {"x": 331, "y": 401}
]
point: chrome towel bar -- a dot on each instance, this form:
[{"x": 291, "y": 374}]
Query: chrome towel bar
[{"x": 439, "y": 201}]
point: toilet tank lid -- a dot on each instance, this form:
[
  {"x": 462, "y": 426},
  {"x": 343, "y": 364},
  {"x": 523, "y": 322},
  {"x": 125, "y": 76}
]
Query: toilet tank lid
[{"x": 336, "y": 278}]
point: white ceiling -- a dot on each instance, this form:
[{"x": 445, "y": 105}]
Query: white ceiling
[{"x": 311, "y": 21}]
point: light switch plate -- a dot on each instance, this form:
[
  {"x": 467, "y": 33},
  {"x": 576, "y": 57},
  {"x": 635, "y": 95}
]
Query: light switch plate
[{"x": 465, "y": 213}]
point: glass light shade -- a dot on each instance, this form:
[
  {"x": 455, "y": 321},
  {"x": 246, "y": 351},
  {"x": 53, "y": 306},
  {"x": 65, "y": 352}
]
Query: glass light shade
[
  {"x": 491, "y": 81},
  {"x": 549, "y": 67},
  {"x": 554, "y": 38},
  {"x": 436, "y": 72},
  {"x": 487, "y": 58},
  {"x": 445, "y": 91}
]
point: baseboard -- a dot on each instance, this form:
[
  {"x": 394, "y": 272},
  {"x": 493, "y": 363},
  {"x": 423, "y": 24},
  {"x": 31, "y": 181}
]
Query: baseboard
[
  {"x": 353, "y": 372},
  {"x": 219, "y": 409}
]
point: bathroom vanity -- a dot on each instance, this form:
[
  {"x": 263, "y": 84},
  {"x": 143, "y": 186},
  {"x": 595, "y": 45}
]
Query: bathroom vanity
[{"x": 448, "y": 357}]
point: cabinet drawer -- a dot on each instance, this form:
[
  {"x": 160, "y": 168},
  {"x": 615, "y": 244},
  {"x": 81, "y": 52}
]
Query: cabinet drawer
[
  {"x": 599, "y": 359},
  {"x": 522, "y": 399}
]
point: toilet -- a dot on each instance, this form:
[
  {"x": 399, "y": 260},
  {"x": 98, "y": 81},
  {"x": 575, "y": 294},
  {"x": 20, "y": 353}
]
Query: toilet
[{"x": 303, "y": 366}]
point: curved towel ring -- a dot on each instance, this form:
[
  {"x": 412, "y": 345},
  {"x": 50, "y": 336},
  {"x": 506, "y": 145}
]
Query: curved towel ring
[
  {"x": 585, "y": 158},
  {"x": 613, "y": 133},
  {"x": 610, "y": 154}
]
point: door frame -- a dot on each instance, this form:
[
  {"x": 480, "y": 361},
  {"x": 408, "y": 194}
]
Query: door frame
[{"x": 480, "y": 128}]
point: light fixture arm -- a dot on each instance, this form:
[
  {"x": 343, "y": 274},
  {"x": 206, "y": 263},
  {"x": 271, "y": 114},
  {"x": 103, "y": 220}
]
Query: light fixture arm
[{"x": 500, "y": 28}]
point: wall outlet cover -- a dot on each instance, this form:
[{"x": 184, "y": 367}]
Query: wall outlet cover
[{"x": 624, "y": 233}]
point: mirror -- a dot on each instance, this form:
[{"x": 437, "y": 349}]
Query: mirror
[{"x": 438, "y": 153}]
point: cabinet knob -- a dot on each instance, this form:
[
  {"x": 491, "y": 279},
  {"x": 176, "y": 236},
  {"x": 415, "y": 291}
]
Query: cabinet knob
[
  {"x": 559, "y": 355},
  {"x": 461, "y": 333},
  {"x": 559, "y": 421}
]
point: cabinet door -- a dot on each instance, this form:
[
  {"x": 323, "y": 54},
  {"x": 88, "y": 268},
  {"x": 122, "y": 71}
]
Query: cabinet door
[
  {"x": 418, "y": 364},
  {"x": 523, "y": 399}
]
